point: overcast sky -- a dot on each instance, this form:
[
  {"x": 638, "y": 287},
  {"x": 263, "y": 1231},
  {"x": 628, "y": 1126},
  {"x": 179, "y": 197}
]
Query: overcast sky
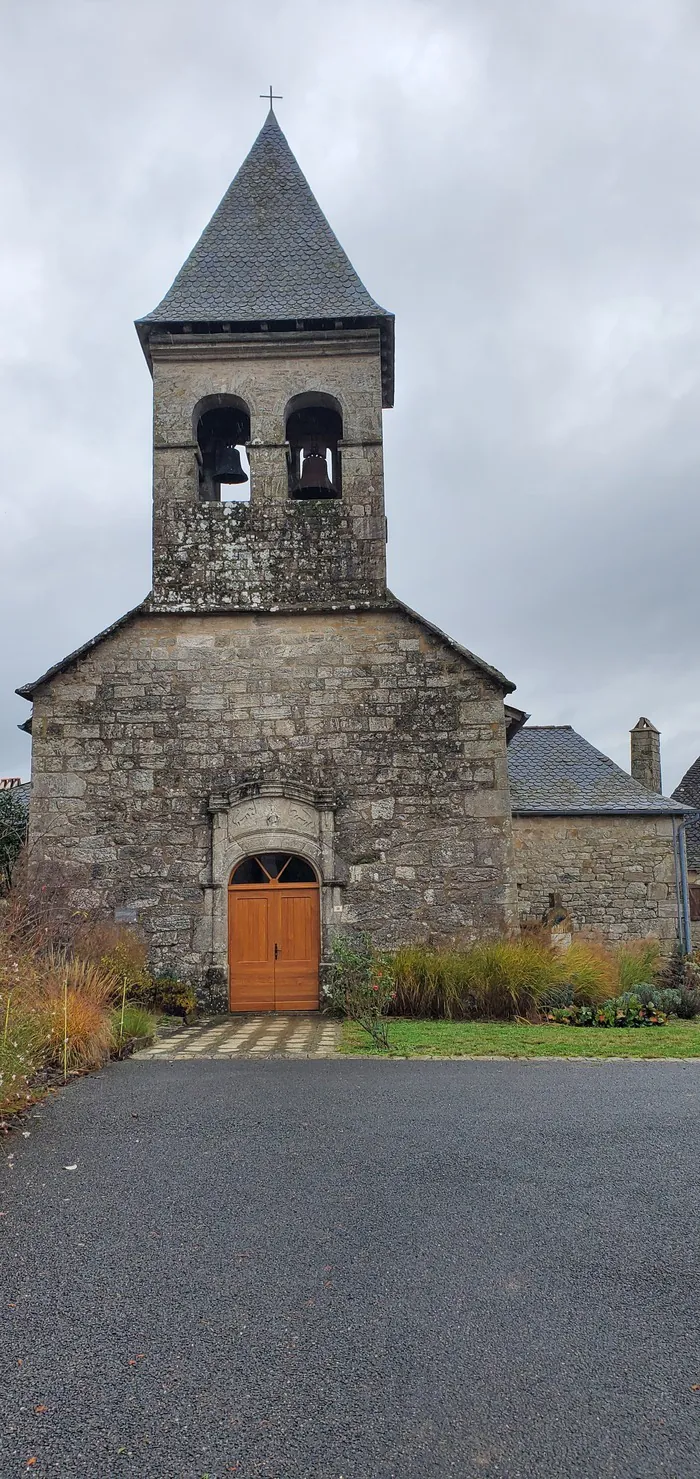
[{"x": 517, "y": 182}]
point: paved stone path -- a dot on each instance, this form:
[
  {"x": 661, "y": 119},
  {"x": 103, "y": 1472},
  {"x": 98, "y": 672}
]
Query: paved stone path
[{"x": 299, "y": 1035}]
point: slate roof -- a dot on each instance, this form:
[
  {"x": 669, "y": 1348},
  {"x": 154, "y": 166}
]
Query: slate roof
[
  {"x": 689, "y": 792},
  {"x": 556, "y": 772},
  {"x": 269, "y": 255},
  {"x": 21, "y": 794}
]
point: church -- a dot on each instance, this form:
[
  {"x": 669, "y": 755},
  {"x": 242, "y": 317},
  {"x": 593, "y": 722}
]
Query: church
[{"x": 272, "y": 749}]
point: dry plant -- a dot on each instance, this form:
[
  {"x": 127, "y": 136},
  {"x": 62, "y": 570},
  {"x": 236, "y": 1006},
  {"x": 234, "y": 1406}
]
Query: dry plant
[
  {"x": 74, "y": 1000},
  {"x": 512, "y": 977}
]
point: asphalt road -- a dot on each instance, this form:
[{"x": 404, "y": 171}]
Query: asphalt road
[{"x": 308, "y": 1270}]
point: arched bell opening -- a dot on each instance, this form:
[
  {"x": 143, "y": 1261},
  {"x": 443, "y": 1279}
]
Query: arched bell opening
[
  {"x": 222, "y": 431},
  {"x": 314, "y": 427}
]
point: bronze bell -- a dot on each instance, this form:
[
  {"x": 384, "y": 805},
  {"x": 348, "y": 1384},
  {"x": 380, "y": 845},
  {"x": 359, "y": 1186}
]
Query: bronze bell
[
  {"x": 227, "y": 464},
  {"x": 314, "y": 481}
]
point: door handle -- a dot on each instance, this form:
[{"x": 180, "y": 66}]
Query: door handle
[{"x": 277, "y": 951}]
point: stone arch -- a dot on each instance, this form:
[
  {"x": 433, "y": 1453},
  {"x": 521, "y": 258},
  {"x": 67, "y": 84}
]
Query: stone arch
[
  {"x": 308, "y": 398},
  {"x": 219, "y": 400},
  {"x": 221, "y": 430},
  {"x": 261, "y": 817},
  {"x": 313, "y": 428}
]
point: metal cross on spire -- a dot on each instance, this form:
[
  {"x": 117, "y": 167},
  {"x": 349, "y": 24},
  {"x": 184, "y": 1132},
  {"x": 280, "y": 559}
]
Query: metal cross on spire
[{"x": 271, "y": 96}]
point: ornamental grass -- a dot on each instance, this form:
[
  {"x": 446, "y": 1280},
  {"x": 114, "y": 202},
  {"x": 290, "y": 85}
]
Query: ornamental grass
[
  {"x": 63, "y": 987},
  {"x": 520, "y": 977}
]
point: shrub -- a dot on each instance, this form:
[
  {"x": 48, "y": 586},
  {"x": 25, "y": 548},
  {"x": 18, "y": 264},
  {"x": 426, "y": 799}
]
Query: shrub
[
  {"x": 167, "y": 994},
  {"x": 14, "y": 813},
  {"x": 359, "y": 985},
  {"x": 679, "y": 972},
  {"x": 118, "y": 950},
  {"x": 630, "y": 1012},
  {"x": 673, "y": 1003}
]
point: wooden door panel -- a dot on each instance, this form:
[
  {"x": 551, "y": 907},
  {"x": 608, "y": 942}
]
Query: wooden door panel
[
  {"x": 297, "y": 940},
  {"x": 251, "y": 950}
]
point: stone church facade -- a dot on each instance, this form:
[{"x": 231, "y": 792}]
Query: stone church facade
[
  {"x": 271, "y": 749},
  {"x": 270, "y": 698}
]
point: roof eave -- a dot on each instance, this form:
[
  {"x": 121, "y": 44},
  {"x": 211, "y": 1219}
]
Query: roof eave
[
  {"x": 384, "y": 321},
  {"x": 498, "y": 677},
  {"x": 28, "y": 690},
  {"x": 599, "y": 811}
]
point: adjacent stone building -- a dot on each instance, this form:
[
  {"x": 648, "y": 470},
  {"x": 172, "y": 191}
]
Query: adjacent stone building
[
  {"x": 611, "y": 846},
  {"x": 271, "y": 748}
]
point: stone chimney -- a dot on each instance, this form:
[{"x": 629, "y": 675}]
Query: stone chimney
[{"x": 645, "y": 747}]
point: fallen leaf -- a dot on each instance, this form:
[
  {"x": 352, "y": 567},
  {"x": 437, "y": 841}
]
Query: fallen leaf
[{"x": 40, "y": 1408}]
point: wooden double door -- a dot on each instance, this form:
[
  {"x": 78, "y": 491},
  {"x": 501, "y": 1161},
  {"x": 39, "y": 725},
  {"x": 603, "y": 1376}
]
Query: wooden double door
[{"x": 274, "y": 935}]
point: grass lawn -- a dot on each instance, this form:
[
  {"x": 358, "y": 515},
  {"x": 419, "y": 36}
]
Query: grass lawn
[{"x": 428, "y": 1039}]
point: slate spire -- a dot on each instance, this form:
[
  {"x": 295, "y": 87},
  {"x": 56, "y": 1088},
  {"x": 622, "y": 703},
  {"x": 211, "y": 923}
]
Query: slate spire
[{"x": 268, "y": 255}]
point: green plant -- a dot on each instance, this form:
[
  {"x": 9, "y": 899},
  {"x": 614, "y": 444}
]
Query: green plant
[
  {"x": 359, "y": 985},
  {"x": 136, "y": 1023},
  {"x": 23, "y": 1050},
  {"x": 629, "y": 1011},
  {"x": 502, "y": 978},
  {"x": 13, "y": 832},
  {"x": 177, "y": 998},
  {"x": 637, "y": 963}
]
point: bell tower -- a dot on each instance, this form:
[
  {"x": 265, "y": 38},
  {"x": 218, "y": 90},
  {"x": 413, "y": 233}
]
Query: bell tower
[{"x": 271, "y": 366}]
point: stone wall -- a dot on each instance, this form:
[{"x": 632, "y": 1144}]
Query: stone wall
[
  {"x": 138, "y": 747},
  {"x": 616, "y": 874},
  {"x": 273, "y": 551},
  {"x": 242, "y": 555}
]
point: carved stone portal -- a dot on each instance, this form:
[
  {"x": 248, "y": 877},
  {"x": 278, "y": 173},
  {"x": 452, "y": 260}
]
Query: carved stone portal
[{"x": 258, "y": 817}]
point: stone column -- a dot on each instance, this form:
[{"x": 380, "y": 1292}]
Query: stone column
[
  {"x": 268, "y": 471},
  {"x": 645, "y": 746}
]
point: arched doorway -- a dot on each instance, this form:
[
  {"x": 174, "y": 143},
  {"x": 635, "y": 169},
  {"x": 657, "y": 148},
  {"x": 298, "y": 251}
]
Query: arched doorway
[{"x": 273, "y": 934}]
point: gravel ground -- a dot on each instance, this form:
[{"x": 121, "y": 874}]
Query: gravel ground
[{"x": 336, "y": 1270}]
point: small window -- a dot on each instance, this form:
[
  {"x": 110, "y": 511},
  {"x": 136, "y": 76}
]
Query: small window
[
  {"x": 249, "y": 871},
  {"x": 273, "y": 862},
  {"x": 694, "y": 894},
  {"x": 297, "y": 870},
  {"x": 272, "y": 868}
]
